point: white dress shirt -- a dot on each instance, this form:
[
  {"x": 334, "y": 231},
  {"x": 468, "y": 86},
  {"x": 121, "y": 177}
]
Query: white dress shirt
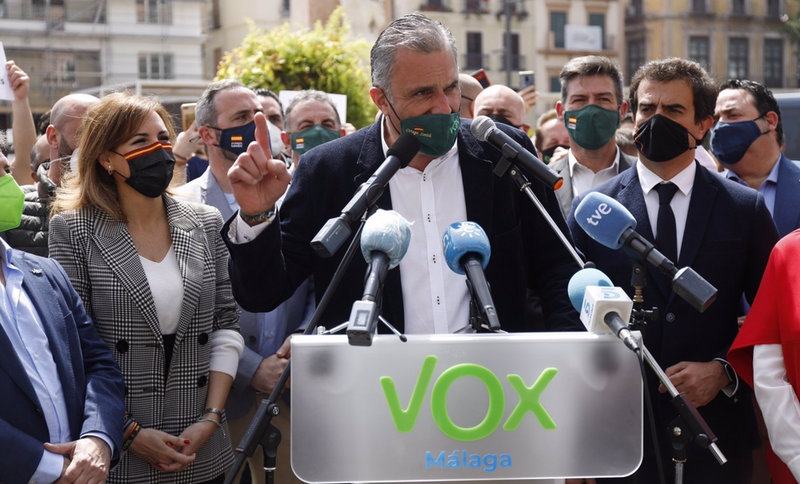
[
  {"x": 435, "y": 299},
  {"x": 779, "y": 405},
  {"x": 584, "y": 179},
  {"x": 680, "y": 202}
]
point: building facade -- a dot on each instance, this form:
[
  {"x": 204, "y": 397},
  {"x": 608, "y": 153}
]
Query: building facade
[
  {"x": 148, "y": 46},
  {"x": 733, "y": 39}
]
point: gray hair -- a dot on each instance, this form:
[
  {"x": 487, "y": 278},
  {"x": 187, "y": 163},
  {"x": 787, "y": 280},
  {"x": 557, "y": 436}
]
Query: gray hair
[
  {"x": 307, "y": 96},
  {"x": 591, "y": 65},
  {"x": 205, "y": 111},
  {"x": 414, "y": 32}
]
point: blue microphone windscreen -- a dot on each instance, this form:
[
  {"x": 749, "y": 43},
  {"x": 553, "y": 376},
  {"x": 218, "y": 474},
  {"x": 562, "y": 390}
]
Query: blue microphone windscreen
[
  {"x": 462, "y": 238},
  {"x": 604, "y": 219},
  {"x": 581, "y": 280},
  {"x": 386, "y": 231}
]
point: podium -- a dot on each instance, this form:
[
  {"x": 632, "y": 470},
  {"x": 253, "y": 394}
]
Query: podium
[{"x": 465, "y": 407}]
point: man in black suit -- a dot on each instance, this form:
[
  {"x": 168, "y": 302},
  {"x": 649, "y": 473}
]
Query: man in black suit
[
  {"x": 720, "y": 229},
  {"x": 415, "y": 86},
  {"x": 591, "y": 108}
]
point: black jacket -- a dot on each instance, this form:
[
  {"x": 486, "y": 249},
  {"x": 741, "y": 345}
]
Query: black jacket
[{"x": 31, "y": 235}]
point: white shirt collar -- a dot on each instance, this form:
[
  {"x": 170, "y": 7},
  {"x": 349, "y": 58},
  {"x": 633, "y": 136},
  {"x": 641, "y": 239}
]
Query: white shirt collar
[
  {"x": 574, "y": 161},
  {"x": 684, "y": 180}
]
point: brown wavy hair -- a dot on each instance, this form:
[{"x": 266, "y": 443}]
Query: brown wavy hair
[{"x": 106, "y": 125}]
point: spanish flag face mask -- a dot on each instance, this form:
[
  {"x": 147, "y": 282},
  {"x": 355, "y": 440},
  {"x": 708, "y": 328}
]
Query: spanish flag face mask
[
  {"x": 151, "y": 168},
  {"x": 11, "y": 203}
]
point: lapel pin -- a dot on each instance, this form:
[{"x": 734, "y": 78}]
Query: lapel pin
[{"x": 36, "y": 272}]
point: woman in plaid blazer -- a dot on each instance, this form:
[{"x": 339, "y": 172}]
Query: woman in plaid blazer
[{"x": 152, "y": 273}]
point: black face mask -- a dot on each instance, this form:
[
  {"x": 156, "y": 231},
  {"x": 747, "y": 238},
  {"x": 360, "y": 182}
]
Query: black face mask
[
  {"x": 499, "y": 118},
  {"x": 548, "y": 153},
  {"x": 661, "y": 139},
  {"x": 151, "y": 168}
]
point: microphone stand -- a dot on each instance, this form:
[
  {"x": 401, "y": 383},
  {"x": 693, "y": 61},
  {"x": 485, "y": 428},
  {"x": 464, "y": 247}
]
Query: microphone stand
[
  {"x": 260, "y": 430},
  {"x": 689, "y": 424},
  {"x": 525, "y": 186},
  {"x": 478, "y": 320}
]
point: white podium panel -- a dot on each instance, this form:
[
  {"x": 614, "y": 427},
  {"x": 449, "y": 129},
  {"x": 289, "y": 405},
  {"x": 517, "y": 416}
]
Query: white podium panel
[{"x": 465, "y": 407}]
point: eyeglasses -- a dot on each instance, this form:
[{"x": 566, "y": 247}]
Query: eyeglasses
[{"x": 467, "y": 98}]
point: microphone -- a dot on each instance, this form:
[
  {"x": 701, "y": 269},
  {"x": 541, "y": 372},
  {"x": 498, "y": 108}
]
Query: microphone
[
  {"x": 612, "y": 225},
  {"x": 336, "y": 230},
  {"x": 466, "y": 251},
  {"x": 602, "y": 307},
  {"x": 384, "y": 242},
  {"x": 484, "y": 129}
]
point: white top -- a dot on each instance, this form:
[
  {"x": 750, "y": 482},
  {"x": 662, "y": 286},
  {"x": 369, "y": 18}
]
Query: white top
[
  {"x": 680, "y": 202},
  {"x": 435, "y": 299},
  {"x": 166, "y": 285},
  {"x": 779, "y": 404},
  {"x": 584, "y": 179}
]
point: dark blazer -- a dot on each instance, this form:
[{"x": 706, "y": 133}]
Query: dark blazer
[
  {"x": 98, "y": 254},
  {"x": 525, "y": 252},
  {"x": 91, "y": 382},
  {"x": 728, "y": 237},
  {"x": 564, "y": 194},
  {"x": 787, "y": 197}
]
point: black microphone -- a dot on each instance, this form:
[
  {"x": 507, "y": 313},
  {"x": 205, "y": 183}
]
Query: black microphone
[
  {"x": 336, "y": 230},
  {"x": 466, "y": 251},
  {"x": 611, "y": 224},
  {"x": 384, "y": 242},
  {"x": 485, "y": 130}
]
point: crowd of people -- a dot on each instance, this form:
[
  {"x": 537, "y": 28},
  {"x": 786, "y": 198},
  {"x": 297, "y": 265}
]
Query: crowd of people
[{"x": 150, "y": 282}]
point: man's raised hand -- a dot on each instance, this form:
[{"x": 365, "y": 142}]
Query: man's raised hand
[{"x": 256, "y": 179}]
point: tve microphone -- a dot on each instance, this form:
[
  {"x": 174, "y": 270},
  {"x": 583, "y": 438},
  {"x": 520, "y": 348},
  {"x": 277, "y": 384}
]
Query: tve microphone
[
  {"x": 384, "y": 242},
  {"x": 612, "y": 225},
  {"x": 466, "y": 251},
  {"x": 485, "y": 130},
  {"x": 336, "y": 230},
  {"x": 602, "y": 307}
]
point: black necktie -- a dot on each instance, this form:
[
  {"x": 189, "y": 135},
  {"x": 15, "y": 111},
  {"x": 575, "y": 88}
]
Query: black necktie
[{"x": 666, "y": 240}]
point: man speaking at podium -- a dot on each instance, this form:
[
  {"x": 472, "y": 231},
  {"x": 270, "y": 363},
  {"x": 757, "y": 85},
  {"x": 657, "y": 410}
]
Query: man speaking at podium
[{"x": 415, "y": 86}]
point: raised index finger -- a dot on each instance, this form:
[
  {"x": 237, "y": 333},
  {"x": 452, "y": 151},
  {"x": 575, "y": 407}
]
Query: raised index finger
[{"x": 262, "y": 134}]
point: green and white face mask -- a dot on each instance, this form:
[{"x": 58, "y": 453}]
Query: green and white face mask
[
  {"x": 11, "y": 203},
  {"x": 311, "y": 138},
  {"x": 437, "y": 133},
  {"x": 591, "y": 126}
]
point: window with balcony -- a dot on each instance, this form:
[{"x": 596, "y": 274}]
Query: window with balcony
[
  {"x": 216, "y": 20},
  {"x": 635, "y": 8},
  {"x": 155, "y": 66},
  {"x": 555, "y": 84},
  {"x": 599, "y": 20},
  {"x": 287, "y": 9},
  {"x": 476, "y": 6},
  {"x": 154, "y": 11},
  {"x": 738, "y": 7},
  {"x": 773, "y": 8},
  {"x": 435, "y": 6},
  {"x": 517, "y": 60},
  {"x": 636, "y": 56},
  {"x": 737, "y": 58},
  {"x": 558, "y": 20},
  {"x": 773, "y": 62},
  {"x": 699, "y": 50},
  {"x": 61, "y": 71},
  {"x": 473, "y": 58},
  {"x": 699, "y": 6}
]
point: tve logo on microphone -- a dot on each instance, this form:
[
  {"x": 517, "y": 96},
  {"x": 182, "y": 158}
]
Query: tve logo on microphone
[{"x": 602, "y": 209}]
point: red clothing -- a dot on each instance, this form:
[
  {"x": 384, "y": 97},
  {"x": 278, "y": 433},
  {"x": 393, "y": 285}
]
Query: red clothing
[{"x": 774, "y": 319}]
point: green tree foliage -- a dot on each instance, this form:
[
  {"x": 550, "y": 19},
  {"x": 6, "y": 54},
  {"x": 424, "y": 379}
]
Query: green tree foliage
[{"x": 324, "y": 58}]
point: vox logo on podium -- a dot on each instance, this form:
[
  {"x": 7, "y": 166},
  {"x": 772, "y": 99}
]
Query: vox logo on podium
[{"x": 405, "y": 420}]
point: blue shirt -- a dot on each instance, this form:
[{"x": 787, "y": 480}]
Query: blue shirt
[
  {"x": 768, "y": 187},
  {"x": 24, "y": 328}
]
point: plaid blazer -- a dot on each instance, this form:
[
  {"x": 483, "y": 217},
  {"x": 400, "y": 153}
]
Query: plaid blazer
[{"x": 98, "y": 254}]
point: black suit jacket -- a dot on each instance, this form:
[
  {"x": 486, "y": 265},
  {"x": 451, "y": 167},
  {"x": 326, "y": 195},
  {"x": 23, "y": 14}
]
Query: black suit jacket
[
  {"x": 525, "y": 252},
  {"x": 728, "y": 237}
]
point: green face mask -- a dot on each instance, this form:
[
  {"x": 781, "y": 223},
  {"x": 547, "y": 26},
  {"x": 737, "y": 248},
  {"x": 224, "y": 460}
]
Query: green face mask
[
  {"x": 11, "y": 203},
  {"x": 312, "y": 137},
  {"x": 591, "y": 126},
  {"x": 437, "y": 133}
]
